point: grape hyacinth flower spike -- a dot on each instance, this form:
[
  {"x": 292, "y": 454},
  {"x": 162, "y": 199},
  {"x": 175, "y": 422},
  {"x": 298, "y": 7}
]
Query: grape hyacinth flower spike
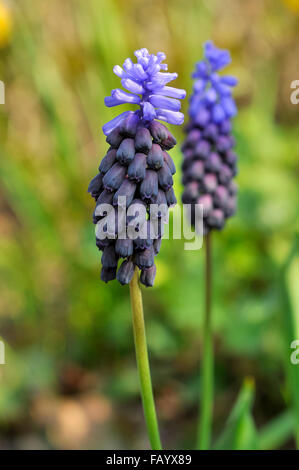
[
  {"x": 209, "y": 167},
  {"x": 133, "y": 191},
  {"x": 137, "y": 165},
  {"x": 209, "y": 163}
]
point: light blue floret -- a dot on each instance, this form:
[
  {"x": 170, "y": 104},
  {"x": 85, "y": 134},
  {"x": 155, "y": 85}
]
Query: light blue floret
[
  {"x": 212, "y": 93},
  {"x": 146, "y": 85}
]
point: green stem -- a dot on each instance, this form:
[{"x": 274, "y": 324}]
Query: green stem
[
  {"x": 206, "y": 396},
  {"x": 143, "y": 364}
]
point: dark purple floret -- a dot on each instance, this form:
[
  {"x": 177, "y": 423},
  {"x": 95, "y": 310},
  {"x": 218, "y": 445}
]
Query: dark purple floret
[
  {"x": 223, "y": 143},
  {"x": 202, "y": 149},
  {"x": 168, "y": 160},
  {"x": 108, "y": 161},
  {"x": 210, "y": 182},
  {"x": 155, "y": 158},
  {"x": 158, "y": 131},
  {"x": 221, "y": 196},
  {"x": 95, "y": 186},
  {"x": 126, "y": 190},
  {"x": 225, "y": 174},
  {"x": 109, "y": 258},
  {"x": 106, "y": 197},
  {"x": 216, "y": 218},
  {"x": 165, "y": 178},
  {"x": 168, "y": 143},
  {"x": 148, "y": 275},
  {"x": 196, "y": 171},
  {"x": 114, "y": 177},
  {"x": 149, "y": 187},
  {"x": 125, "y": 272},
  {"x": 213, "y": 162},
  {"x": 108, "y": 274},
  {"x": 145, "y": 258},
  {"x": 211, "y": 132},
  {"x": 170, "y": 197},
  {"x": 191, "y": 192},
  {"x": 206, "y": 201},
  {"x": 124, "y": 247},
  {"x": 102, "y": 243},
  {"x": 209, "y": 164},
  {"x": 136, "y": 171},
  {"x": 141, "y": 244},
  {"x": 126, "y": 152},
  {"x": 114, "y": 138},
  {"x": 193, "y": 137},
  {"x": 143, "y": 140}
]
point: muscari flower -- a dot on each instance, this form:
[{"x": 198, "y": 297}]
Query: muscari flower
[
  {"x": 137, "y": 168},
  {"x": 209, "y": 163}
]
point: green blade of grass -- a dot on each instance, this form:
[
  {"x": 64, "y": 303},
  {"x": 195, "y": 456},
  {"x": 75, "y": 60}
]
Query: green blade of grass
[
  {"x": 290, "y": 322},
  {"x": 277, "y": 432},
  {"x": 239, "y": 432}
]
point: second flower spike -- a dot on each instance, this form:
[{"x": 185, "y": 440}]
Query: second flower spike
[{"x": 209, "y": 164}]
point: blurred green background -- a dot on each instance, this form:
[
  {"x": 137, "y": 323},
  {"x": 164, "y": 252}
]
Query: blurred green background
[{"x": 70, "y": 377}]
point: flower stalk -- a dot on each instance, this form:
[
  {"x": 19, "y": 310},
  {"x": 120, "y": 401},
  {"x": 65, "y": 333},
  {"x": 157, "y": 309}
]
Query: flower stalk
[
  {"x": 143, "y": 364},
  {"x": 206, "y": 396}
]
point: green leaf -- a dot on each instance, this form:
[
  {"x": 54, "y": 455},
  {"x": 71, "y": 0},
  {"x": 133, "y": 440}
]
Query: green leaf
[
  {"x": 277, "y": 432},
  {"x": 240, "y": 432},
  {"x": 290, "y": 322}
]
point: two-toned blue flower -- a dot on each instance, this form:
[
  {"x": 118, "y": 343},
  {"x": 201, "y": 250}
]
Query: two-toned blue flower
[
  {"x": 137, "y": 167},
  {"x": 209, "y": 164}
]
